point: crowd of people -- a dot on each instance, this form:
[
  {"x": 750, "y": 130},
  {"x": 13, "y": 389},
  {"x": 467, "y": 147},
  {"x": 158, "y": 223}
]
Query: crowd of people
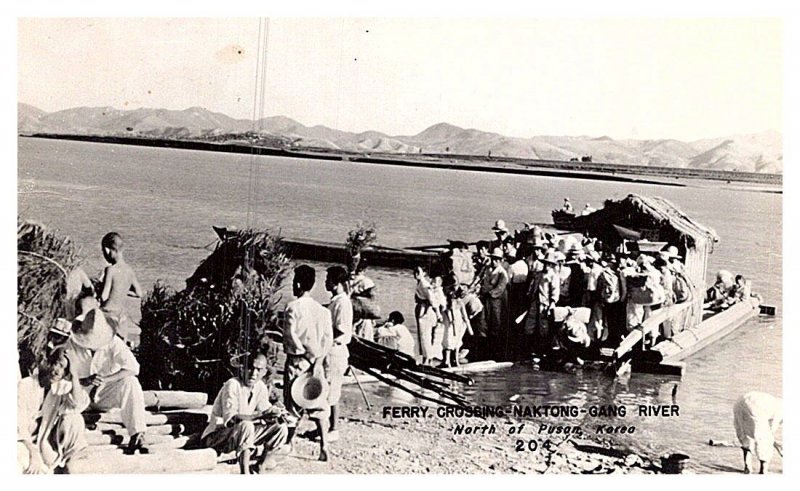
[
  {"x": 520, "y": 294},
  {"x": 532, "y": 292}
]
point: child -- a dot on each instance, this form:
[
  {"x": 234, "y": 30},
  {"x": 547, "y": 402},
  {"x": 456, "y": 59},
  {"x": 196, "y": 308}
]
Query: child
[
  {"x": 118, "y": 280},
  {"x": 439, "y": 304},
  {"x": 393, "y": 334},
  {"x": 456, "y": 321},
  {"x": 58, "y": 399}
]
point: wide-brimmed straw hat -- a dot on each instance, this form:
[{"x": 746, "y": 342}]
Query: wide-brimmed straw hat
[
  {"x": 497, "y": 253},
  {"x": 500, "y": 225},
  {"x": 310, "y": 391},
  {"x": 95, "y": 331},
  {"x": 671, "y": 252}
]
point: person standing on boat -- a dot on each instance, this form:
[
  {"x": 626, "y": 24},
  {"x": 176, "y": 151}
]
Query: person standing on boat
[
  {"x": 439, "y": 300},
  {"x": 495, "y": 303},
  {"x": 477, "y": 342},
  {"x": 597, "y": 328},
  {"x": 518, "y": 273},
  {"x": 564, "y": 275},
  {"x": 456, "y": 322},
  {"x": 337, "y": 361},
  {"x": 426, "y": 314},
  {"x": 668, "y": 283},
  {"x": 544, "y": 294},
  {"x": 567, "y": 208},
  {"x": 307, "y": 341},
  {"x": 501, "y": 234}
]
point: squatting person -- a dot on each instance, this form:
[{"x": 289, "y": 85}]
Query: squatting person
[{"x": 243, "y": 419}]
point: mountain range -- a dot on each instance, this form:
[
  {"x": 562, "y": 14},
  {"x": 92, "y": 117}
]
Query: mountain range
[{"x": 756, "y": 152}]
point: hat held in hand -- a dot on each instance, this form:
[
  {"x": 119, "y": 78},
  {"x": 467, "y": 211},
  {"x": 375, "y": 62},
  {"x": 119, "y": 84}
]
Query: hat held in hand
[{"x": 91, "y": 330}]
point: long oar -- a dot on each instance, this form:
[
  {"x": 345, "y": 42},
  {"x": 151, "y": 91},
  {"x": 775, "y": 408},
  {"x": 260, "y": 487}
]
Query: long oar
[{"x": 353, "y": 372}]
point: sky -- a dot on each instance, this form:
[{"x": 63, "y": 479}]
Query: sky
[{"x": 625, "y": 78}]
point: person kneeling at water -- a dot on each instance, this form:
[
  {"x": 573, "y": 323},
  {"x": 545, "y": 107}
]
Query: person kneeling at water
[
  {"x": 242, "y": 419},
  {"x": 395, "y": 335},
  {"x": 60, "y": 437},
  {"x": 757, "y": 417}
]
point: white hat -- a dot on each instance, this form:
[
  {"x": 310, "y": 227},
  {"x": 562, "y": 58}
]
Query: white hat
[
  {"x": 95, "y": 331},
  {"x": 310, "y": 391},
  {"x": 498, "y": 253},
  {"x": 500, "y": 225},
  {"x": 671, "y": 252}
]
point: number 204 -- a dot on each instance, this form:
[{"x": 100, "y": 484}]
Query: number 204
[{"x": 529, "y": 446}]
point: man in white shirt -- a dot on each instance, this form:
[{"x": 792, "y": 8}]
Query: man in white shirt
[
  {"x": 338, "y": 359},
  {"x": 242, "y": 418},
  {"x": 307, "y": 340},
  {"x": 107, "y": 369}
]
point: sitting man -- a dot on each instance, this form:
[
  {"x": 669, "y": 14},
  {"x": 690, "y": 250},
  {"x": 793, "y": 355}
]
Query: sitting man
[
  {"x": 107, "y": 369},
  {"x": 242, "y": 419}
]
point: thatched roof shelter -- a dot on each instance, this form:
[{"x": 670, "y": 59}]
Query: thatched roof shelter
[{"x": 657, "y": 219}]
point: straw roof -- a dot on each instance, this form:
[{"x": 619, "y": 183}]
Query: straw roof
[{"x": 642, "y": 212}]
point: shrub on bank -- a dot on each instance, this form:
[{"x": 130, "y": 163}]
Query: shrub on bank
[{"x": 197, "y": 338}]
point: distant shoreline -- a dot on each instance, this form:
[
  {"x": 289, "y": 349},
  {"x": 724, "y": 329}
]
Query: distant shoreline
[{"x": 665, "y": 176}]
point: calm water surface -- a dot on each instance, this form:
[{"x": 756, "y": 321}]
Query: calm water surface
[{"x": 164, "y": 202}]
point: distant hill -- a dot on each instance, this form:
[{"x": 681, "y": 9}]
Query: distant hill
[{"x": 759, "y": 152}]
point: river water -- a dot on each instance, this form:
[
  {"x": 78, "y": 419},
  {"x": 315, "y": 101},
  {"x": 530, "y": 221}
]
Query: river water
[{"x": 164, "y": 201}]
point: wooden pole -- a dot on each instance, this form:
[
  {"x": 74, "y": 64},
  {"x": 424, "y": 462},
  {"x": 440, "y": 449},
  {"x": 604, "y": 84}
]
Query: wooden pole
[
  {"x": 174, "y": 399},
  {"x": 364, "y": 394}
]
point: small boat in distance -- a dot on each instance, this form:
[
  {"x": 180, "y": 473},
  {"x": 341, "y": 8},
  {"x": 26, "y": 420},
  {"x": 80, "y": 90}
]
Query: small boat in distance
[{"x": 336, "y": 252}]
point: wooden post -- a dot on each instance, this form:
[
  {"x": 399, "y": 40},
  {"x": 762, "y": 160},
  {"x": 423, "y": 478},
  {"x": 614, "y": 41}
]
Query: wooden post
[{"x": 174, "y": 399}]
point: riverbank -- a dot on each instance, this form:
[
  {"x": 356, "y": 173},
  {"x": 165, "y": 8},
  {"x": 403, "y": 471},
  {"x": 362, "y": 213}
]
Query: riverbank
[
  {"x": 370, "y": 444},
  {"x": 665, "y": 176}
]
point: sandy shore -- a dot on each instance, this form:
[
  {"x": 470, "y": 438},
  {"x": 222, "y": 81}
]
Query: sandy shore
[{"x": 371, "y": 444}]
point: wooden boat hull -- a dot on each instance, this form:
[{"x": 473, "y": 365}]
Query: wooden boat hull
[
  {"x": 563, "y": 220},
  {"x": 686, "y": 343},
  {"x": 384, "y": 257}
]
